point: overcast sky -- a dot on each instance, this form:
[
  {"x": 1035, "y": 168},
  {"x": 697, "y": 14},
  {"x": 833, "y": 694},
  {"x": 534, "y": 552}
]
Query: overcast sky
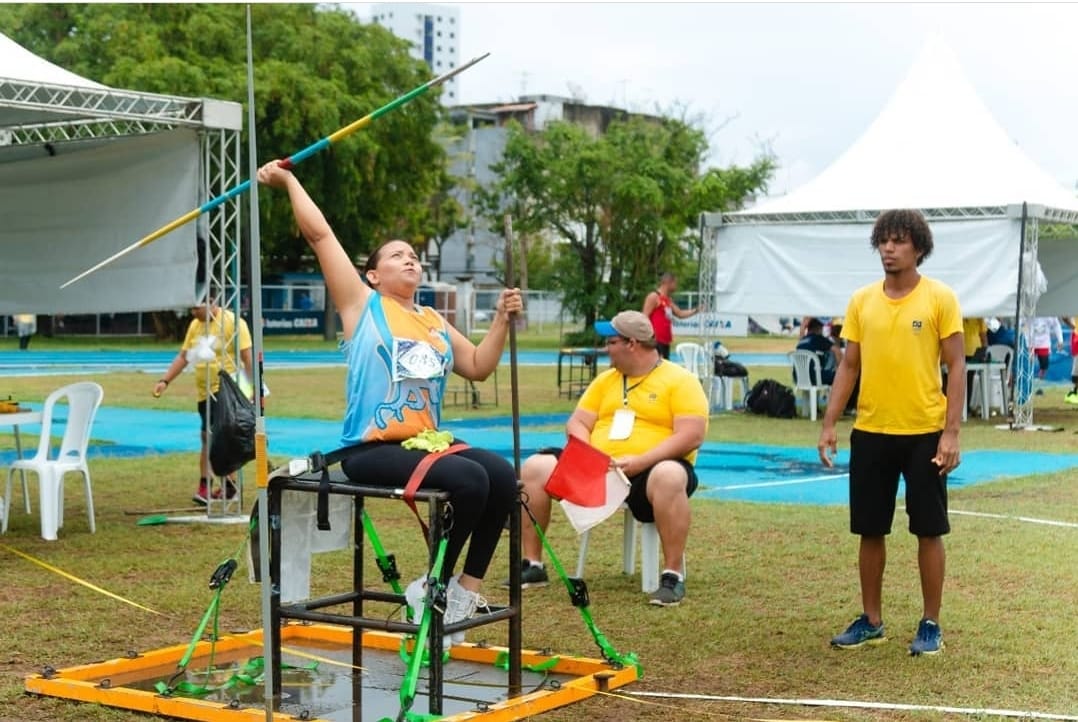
[{"x": 805, "y": 78}]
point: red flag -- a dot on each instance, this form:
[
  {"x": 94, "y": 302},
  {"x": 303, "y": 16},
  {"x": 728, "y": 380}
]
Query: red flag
[{"x": 580, "y": 474}]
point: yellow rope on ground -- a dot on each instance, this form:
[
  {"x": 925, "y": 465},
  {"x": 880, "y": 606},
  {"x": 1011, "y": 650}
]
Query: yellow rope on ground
[{"x": 83, "y": 582}]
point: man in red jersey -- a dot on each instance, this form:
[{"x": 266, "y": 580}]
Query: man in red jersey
[{"x": 660, "y": 308}]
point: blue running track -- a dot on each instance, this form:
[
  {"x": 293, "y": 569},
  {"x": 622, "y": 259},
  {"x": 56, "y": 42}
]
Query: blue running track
[{"x": 742, "y": 472}]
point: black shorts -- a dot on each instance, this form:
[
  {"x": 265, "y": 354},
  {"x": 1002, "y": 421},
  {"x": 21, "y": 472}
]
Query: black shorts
[
  {"x": 876, "y": 460},
  {"x": 664, "y": 349},
  {"x": 205, "y": 421},
  {"x": 637, "y": 500}
]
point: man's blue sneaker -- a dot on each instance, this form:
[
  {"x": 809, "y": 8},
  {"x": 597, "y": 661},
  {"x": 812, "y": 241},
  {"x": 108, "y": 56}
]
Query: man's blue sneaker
[
  {"x": 929, "y": 639},
  {"x": 858, "y": 634}
]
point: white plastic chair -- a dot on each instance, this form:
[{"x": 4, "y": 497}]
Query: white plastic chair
[
  {"x": 649, "y": 552},
  {"x": 83, "y": 399},
  {"x": 693, "y": 356},
  {"x": 1000, "y": 383},
  {"x": 806, "y": 365}
]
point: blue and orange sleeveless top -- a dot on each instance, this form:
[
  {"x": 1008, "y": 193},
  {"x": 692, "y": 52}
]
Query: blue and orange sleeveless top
[{"x": 398, "y": 363}]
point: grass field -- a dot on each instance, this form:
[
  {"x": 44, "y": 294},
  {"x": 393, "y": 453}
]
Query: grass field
[{"x": 768, "y": 584}]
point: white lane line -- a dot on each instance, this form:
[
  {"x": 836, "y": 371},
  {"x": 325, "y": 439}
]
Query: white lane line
[
  {"x": 1022, "y": 714},
  {"x": 762, "y": 484},
  {"x": 1028, "y": 519}
]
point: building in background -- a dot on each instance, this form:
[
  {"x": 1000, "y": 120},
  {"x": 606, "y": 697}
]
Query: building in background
[
  {"x": 433, "y": 31},
  {"x": 470, "y": 253}
]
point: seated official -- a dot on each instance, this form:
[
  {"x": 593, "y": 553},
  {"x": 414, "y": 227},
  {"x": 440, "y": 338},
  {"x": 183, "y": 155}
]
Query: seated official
[
  {"x": 650, "y": 416},
  {"x": 825, "y": 349}
]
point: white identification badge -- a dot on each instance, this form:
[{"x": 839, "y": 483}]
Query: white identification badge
[{"x": 622, "y": 427}]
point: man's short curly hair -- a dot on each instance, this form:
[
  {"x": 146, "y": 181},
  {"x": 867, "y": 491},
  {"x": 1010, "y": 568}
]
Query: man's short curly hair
[{"x": 904, "y": 222}]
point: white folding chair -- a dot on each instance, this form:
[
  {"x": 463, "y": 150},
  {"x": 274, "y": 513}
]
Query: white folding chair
[
  {"x": 83, "y": 399},
  {"x": 649, "y": 552},
  {"x": 806, "y": 366}
]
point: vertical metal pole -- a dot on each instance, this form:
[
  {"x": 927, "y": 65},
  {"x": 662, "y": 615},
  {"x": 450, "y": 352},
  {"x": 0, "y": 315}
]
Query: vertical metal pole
[
  {"x": 1021, "y": 386},
  {"x": 358, "y": 506},
  {"x": 261, "y": 460},
  {"x": 515, "y": 594}
]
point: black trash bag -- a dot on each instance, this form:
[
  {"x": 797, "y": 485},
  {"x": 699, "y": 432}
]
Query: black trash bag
[{"x": 233, "y": 432}]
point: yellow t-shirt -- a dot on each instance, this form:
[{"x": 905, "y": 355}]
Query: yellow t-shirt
[
  {"x": 972, "y": 328},
  {"x": 656, "y": 398},
  {"x": 220, "y": 331},
  {"x": 900, "y": 340}
]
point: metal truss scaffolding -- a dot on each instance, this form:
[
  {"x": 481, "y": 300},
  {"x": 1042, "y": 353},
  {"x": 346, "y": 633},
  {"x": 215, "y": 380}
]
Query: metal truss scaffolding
[{"x": 35, "y": 113}]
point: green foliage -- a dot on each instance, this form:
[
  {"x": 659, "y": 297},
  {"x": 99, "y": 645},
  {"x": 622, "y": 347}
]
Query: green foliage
[
  {"x": 1058, "y": 230},
  {"x": 624, "y": 204},
  {"x": 317, "y": 69}
]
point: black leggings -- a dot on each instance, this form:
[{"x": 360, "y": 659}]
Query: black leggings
[{"x": 482, "y": 490}]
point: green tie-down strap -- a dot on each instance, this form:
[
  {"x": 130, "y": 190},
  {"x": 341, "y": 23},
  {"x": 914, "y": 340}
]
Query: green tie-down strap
[
  {"x": 249, "y": 675},
  {"x": 429, "y": 440},
  {"x": 578, "y": 595},
  {"x": 411, "y": 677},
  {"x": 502, "y": 662}
]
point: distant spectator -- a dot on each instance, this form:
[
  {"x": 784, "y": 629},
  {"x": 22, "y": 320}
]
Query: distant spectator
[
  {"x": 825, "y": 349},
  {"x": 1072, "y": 395},
  {"x": 975, "y": 340},
  {"x": 835, "y": 331},
  {"x": 26, "y": 327},
  {"x": 1043, "y": 331},
  {"x": 999, "y": 333}
]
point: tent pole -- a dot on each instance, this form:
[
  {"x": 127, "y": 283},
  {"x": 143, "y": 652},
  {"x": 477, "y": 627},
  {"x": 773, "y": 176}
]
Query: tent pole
[
  {"x": 261, "y": 456},
  {"x": 1018, "y": 306}
]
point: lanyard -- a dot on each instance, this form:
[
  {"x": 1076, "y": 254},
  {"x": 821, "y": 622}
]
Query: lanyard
[{"x": 626, "y": 388}]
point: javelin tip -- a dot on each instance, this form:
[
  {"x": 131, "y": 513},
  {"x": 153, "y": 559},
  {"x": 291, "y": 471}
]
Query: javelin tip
[{"x": 459, "y": 69}]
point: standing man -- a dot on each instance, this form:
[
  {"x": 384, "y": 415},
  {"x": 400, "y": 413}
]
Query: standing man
[
  {"x": 660, "y": 309},
  {"x": 208, "y": 344},
  {"x": 650, "y": 416},
  {"x": 26, "y": 327},
  {"x": 897, "y": 333}
]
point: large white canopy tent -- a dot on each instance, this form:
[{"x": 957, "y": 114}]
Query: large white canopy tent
[
  {"x": 87, "y": 170},
  {"x": 935, "y": 147}
]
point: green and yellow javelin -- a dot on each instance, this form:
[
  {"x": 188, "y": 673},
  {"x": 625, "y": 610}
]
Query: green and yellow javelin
[{"x": 288, "y": 162}]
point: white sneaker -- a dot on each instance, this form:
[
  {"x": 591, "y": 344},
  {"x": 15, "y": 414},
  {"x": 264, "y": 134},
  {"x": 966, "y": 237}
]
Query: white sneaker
[
  {"x": 460, "y": 604},
  {"x": 415, "y": 596}
]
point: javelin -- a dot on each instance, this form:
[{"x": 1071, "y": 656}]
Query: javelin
[{"x": 288, "y": 162}]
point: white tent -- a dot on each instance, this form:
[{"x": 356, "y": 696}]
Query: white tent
[
  {"x": 935, "y": 147},
  {"x": 87, "y": 170}
]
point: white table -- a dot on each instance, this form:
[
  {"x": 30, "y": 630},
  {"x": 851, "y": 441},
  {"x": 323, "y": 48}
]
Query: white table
[{"x": 20, "y": 418}]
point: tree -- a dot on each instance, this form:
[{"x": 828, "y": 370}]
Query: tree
[
  {"x": 317, "y": 69},
  {"x": 624, "y": 204}
]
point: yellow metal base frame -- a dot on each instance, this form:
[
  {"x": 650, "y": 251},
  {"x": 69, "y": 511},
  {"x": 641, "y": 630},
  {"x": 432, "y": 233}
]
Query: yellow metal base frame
[{"x": 128, "y": 682}]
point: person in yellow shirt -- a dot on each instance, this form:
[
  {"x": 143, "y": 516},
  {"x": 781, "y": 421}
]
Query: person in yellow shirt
[
  {"x": 650, "y": 416},
  {"x": 209, "y": 343},
  {"x": 975, "y": 340},
  {"x": 897, "y": 333}
]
